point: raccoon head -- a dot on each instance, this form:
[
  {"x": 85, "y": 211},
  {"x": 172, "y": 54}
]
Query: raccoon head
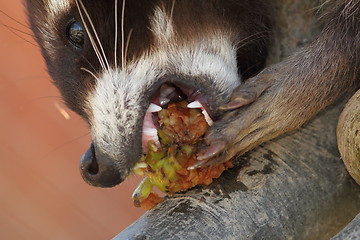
[{"x": 116, "y": 62}]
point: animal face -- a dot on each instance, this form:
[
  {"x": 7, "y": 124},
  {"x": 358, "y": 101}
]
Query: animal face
[{"x": 115, "y": 62}]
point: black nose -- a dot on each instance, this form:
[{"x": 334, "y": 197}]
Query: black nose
[{"x": 99, "y": 170}]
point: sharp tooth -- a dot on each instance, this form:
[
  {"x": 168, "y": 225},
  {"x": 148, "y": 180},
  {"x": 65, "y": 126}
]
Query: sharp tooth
[
  {"x": 164, "y": 101},
  {"x": 154, "y": 108},
  {"x": 195, "y": 104},
  {"x": 140, "y": 165},
  {"x": 150, "y": 131},
  {"x": 207, "y": 118},
  {"x": 152, "y": 134}
]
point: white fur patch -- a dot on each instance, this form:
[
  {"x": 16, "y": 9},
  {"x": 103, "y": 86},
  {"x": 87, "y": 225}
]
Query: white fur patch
[
  {"x": 212, "y": 55},
  {"x": 162, "y": 25},
  {"x": 115, "y": 102},
  {"x": 56, "y": 7}
]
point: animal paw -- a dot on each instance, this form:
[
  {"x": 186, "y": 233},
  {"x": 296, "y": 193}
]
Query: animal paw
[
  {"x": 246, "y": 93},
  {"x": 259, "y": 110}
]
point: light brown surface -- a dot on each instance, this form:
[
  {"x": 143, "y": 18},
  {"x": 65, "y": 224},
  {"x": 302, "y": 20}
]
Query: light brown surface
[
  {"x": 348, "y": 136},
  {"x": 42, "y": 193}
]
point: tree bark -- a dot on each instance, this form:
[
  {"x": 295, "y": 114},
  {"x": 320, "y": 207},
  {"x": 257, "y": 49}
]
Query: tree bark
[
  {"x": 294, "y": 187},
  {"x": 351, "y": 231}
]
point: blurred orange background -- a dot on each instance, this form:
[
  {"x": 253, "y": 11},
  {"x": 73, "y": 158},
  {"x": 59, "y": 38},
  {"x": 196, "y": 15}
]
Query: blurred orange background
[{"x": 42, "y": 195}]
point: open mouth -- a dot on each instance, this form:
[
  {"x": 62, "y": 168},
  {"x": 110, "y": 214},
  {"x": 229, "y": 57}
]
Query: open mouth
[
  {"x": 175, "y": 123},
  {"x": 169, "y": 93}
]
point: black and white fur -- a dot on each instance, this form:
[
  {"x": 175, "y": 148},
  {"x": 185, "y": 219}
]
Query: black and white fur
[{"x": 133, "y": 47}]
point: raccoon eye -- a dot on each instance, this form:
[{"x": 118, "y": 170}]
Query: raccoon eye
[{"x": 76, "y": 34}]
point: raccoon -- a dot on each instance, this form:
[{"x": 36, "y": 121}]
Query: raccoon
[{"x": 117, "y": 62}]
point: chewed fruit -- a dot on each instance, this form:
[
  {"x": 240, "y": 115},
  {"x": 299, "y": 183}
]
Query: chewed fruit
[{"x": 166, "y": 166}]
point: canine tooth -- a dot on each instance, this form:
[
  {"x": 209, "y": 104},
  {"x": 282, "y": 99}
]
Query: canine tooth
[
  {"x": 140, "y": 165},
  {"x": 152, "y": 134},
  {"x": 137, "y": 168},
  {"x": 150, "y": 131},
  {"x": 154, "y": 108},
  {"x": 195, "y": 104},
  {"x": 207, "y": 118},
  {"x": 164, "y": 101}
]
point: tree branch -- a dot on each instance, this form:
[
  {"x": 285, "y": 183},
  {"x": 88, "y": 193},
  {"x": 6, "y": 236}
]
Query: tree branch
[
  {"x": 294, "y": 187},
  {"x": 351, "y": 231}
]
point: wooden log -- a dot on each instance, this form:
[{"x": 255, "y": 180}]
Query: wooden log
[
  {"x": 351, "y": 231},
  {"x": 294, "y": 187},
  {"x": 348, "y": 134}
]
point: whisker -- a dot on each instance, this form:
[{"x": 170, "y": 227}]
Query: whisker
[
  {"x": 96, "y": 49},
  {"x": 18, "y": 30},
  {"x": 87, "y": 60},
  {"x": 65, "y": 144},
  {"x": 122, "y": 35},
  {"x": 44, "y": 97},
  {"x": 18, "y": 22},
  {"x": 257, "y": 36},
  {"x": 253, "y": 35},
  {"x": 127, "y": 42},
  {"x": 116, "y": 32},
  {"x": 96, "y": 35},
  {"x": 172, "y": 9},
  {"x": 16, "y": 34},
  {"x": 250, "y": 41},
  {"x": 90, "y": 72},
  {"x": 25, "y": 104}
]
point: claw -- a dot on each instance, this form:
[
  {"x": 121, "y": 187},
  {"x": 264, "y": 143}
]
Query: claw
[
  {"x": 244, "y": 98},
  {"x": 206, "y": 163},
  {"x": 236, "y": 103},
  {"x": 211, "y": 151},
  {"x": 197, "y": 165}
]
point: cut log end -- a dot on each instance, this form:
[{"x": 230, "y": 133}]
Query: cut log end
[{"x": 348, "y": 135}]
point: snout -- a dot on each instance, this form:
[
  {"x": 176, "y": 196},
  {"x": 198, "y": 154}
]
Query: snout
[{"x": 97, "y": 169}]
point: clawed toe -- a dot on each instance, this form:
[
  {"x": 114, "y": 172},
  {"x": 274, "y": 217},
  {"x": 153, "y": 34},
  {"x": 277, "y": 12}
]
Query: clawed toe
[
  {"x": 211, "y": 151},
  {"x": 238, "y": 101},
  {"x": 206, "y": 156}
]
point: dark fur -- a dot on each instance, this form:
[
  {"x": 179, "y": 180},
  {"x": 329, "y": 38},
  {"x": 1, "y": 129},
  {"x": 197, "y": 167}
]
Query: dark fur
[
  {"x": 287, "y": 94},
  {"x": 64, "y": 69},
  {"x": 291, "y": 92}
]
